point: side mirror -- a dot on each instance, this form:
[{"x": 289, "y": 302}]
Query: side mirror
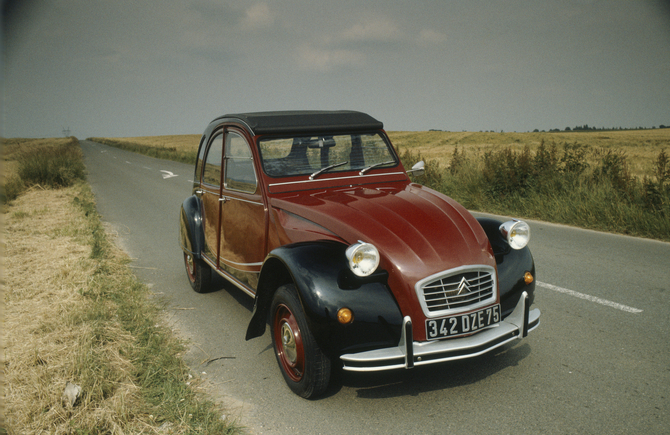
[{"x": 418, "y": 169}]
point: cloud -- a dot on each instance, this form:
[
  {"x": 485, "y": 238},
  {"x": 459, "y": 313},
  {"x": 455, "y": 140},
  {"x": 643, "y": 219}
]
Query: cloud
[
  {"x": 430, "y": 36},
  {"x": 376, "y": 29},
  {"x": 259, "y": 15},
  {"x": 320, "y": 59},
  {"x": 210, "y": 11}
]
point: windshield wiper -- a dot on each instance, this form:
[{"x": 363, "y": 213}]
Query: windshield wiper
[
  {"x": 363, "y": 171},
  {"x": 327, "y": 168}
]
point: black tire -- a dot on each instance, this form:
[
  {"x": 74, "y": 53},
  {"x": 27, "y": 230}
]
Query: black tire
[
  {"x": 306, "y": 369},
  {"x": 198, "y": 272}
]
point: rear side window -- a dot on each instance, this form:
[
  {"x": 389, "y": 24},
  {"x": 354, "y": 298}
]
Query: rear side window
[
  {"x": 212, "y": 172},
  {"x": 239, "y": 174}
]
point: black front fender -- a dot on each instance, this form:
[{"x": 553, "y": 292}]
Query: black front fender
[
  {"x": 191, "y": 236},
  {"x": 324, "y": 283},
  {"x": 512, "y": 265}
]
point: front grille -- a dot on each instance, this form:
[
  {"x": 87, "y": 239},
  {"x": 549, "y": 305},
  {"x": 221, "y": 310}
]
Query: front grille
[{"x": 457, "y": 290}]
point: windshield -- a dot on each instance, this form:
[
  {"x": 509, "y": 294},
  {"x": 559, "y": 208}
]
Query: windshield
[{"x": 310, "y": 155}]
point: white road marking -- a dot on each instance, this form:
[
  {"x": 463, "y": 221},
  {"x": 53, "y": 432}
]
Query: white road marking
[
  {"x": 168, "y": 174},
  {"x": 590, "y": 298}
]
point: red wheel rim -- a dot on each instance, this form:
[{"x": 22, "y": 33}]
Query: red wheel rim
[
  {"x": 190, "y": 266},
  {"x": 288, "y": 342}
]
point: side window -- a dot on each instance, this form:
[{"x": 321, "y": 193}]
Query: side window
[
  {"x": 239, "y": 173},
  {"x": 212, "y": 172}
]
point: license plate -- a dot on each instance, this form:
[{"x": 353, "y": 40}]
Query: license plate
[{"x": 462, "y": 324}]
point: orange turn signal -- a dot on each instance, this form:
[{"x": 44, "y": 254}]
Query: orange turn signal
[
  {"x": 344, "y": 316},
  {"x": 528, "y": 278}
]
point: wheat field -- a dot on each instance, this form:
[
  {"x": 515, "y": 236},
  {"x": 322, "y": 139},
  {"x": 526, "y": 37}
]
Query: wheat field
[{"x": 640, "y": 146}]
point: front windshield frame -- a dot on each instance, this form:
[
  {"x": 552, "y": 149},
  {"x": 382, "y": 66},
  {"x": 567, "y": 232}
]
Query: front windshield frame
[{"x": 307, "y": 154}]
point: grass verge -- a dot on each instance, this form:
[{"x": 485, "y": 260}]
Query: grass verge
[
  {"x": 49, "y": 163},
  {"x": 75, "y": 313},
  {"x": 558, "y": 186},
  {"x": 157, "y": 147}
]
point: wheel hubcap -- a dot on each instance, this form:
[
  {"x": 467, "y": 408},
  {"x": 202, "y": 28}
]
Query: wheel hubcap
[
  {"x": 288, "y": 342},
  {"x": 190, "y": 266}
]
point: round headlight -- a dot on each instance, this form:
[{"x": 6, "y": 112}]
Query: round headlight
[
  {"x": 517, "y": 233},
  {"x": 363, "y": 258}
]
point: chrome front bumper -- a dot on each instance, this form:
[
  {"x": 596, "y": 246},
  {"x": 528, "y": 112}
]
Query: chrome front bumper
[{"x": 410, "y": 353}]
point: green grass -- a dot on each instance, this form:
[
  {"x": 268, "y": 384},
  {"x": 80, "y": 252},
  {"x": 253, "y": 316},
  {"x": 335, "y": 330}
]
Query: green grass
[{"x": 52, "y": 166}]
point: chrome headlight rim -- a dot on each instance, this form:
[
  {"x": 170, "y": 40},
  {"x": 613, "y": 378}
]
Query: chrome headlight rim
[
  {"x": 516, "y": 232},
  {"x": 362, "y": 258}
]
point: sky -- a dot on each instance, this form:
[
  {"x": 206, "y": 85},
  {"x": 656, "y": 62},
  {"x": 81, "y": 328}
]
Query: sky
[{"x": 127, "y": 68}]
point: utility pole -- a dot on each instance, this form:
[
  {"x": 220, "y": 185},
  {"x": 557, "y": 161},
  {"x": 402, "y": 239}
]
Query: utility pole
[{"x": 66, "y": 132}]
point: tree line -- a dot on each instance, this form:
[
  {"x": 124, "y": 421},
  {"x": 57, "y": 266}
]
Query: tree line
[{"x": 586, "y": 127}]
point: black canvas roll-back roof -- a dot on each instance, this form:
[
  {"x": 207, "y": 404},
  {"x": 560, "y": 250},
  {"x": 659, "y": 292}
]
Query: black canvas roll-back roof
[{"x": 305, "y": 121}]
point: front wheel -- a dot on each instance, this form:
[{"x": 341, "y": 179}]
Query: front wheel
[
  {"x": 199, "y": 274},
  {"x": 306, "y": 369}
]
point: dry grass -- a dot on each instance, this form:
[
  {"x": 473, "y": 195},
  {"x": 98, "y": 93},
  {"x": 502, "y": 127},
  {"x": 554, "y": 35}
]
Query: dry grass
[
  {"x": 74, "y": 312},
  {"x": 39, "y": 162},
  {"x": 49, "y": 269},
  {"x": 11, "y": 149},
  {"x": 187, "y": 142},
  {"x": 179, "y": 148}
]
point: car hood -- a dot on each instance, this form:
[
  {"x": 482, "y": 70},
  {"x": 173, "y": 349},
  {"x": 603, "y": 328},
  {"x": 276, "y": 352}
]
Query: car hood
[{"x": 418, "y": 231}]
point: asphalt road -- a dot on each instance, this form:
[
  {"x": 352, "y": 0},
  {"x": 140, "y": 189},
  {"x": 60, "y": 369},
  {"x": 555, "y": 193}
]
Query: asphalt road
[{"x": 599, "y": 362}]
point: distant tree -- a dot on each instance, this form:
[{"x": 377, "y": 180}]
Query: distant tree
[
  {"x": 568, "y": 129},
  {"x": 536, "y": 131}
]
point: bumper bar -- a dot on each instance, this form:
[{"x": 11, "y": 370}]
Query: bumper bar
[{"x": 410, "y": 353}]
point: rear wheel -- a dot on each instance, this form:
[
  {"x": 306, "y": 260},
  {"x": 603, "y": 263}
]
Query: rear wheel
[
  {"x": 198, "y": 272},
  {"x": 306, "y": 369}
]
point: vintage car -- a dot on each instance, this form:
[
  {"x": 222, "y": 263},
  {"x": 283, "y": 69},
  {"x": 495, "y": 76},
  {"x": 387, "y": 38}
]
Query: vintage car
[{"x": 353, "y": 265}]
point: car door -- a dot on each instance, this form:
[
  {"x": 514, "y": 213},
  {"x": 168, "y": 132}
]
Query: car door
[
  {"x": 210, "y": 194},
  {"x": 243, "y": 213}
]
